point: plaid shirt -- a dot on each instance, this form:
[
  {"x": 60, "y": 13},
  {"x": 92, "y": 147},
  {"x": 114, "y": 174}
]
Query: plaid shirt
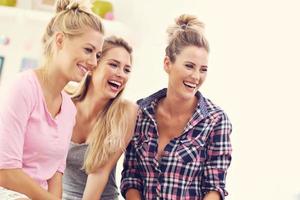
[{"x": 191, "y": 165}]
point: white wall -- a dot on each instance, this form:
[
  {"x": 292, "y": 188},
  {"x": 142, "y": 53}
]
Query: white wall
[{"x": 253, "y": 74}]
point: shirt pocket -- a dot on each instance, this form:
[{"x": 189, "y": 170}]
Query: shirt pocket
[{"x": 191, "y": 151}]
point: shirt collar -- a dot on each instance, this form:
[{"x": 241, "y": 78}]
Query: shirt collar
[{"x": 149, "y": 103}]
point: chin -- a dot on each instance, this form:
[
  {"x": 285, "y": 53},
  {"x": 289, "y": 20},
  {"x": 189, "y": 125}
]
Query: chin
[{"x": 188, "y": 95}]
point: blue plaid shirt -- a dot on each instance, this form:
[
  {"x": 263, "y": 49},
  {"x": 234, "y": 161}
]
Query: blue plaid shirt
[{"x": 192, "y": 164}]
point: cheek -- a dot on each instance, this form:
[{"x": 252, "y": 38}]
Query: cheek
[{"x": 125, "y": 81}]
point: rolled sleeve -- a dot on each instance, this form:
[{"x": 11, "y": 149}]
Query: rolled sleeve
[
  {"x": 219, "y": 157},
  {"x": 130, "y": 177}
]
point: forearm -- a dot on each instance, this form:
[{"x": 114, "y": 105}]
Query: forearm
[
  {"x": 55, "y": 185},
  {"x": 95, "y": 185},
  {"x": 212, "y": 195},
  {"x": 133, "y": 194},
  {"x": 17, "y": 180},
  {"x": 96, "y": 181}
]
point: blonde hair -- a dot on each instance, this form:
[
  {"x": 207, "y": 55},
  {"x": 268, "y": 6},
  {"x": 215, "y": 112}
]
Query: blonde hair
[
  {"x": 187, "y": 31},
  {"x": 108, "y": 133},
  {"x": 72, "y": 18}
]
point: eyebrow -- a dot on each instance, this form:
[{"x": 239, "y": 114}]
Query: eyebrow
[
  {"x": 119, "y": 62},
  {"x": 94, "y": 48},
  {"x": 189, "y": 62}
]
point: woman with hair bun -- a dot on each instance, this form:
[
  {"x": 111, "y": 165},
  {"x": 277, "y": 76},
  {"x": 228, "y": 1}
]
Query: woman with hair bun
[
  {"x": 37, "y": 117},
  {"x": 181, "y": 146}
]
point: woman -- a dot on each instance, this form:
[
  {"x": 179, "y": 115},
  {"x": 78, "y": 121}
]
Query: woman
[
  {"x": 104, "y": 125},
  {"x": 179, "y": 152},
  {"x": 37, "y": 118}
]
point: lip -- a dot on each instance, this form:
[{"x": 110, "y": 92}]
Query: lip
[
  {"x": 190, "y": 85},
  {"x": 83, "y": 69},
  {"x": 115, "y": 85}
]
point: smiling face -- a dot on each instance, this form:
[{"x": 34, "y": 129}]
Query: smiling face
[
  {"x": 187, "y": 72},
  {"x": 78, "y": 54},
  {"x": 112, "y": 74}
]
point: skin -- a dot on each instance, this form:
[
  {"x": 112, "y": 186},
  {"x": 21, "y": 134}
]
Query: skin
[
  {"x": 186, "y": 74},
  {"x": 70, "y": 60},
  {"x": 115, "y": 65}
]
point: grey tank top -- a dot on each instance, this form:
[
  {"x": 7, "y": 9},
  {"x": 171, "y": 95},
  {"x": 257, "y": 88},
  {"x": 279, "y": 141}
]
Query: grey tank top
[{"x": 74, "y": 178}]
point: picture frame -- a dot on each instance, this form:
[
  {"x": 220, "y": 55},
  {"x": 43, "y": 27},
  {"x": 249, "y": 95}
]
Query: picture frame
[
  {"x": 28, "y": 63},
  {"x": 1, "y": 65}
]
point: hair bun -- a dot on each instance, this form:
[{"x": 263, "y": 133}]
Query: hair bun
[
  {"x": 189, "y": 21},
  {"x": 84, "y": 5},
  {"x": 185, "y": 23}
]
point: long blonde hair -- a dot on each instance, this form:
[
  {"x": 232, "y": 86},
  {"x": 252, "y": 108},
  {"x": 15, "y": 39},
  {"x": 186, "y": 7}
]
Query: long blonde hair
[
  {"x": 187, "y": 31},
  {"x": 108, "y": 133}
]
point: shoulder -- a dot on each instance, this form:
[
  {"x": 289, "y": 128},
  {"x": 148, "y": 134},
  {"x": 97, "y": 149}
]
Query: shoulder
[
  {"x": 131, "y": 107},
  {"x": 22, "y": 86},
  {"x": 214, "y": 110},
  {"x": 25, "y": 81},
  {"x": 144, "y": 102}
]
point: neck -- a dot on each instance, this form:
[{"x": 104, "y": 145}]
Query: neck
[
  {"x": 51, "y": 81},
  {"x": 172, "y": 101},
  {"x": 92, "y": 104}
]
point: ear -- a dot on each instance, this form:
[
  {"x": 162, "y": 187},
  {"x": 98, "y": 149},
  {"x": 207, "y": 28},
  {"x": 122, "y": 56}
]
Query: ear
[
  {"x": 59, "y": 40},
  {"x": 167, "y": 64}
]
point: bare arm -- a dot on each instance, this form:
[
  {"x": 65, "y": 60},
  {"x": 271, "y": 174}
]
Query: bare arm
[
  {"x": 17, "y": 180},
  {"x": 55, "y": 184},
  {"x": 97, "y": 181},
  {"x": 212, "y": 195},
  {"x": 133, "y": 194}
]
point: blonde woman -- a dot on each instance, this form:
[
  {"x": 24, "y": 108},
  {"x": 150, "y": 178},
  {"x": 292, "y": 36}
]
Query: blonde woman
[
  {"x": 37, "y": 118},
  {"x": 181, "y": 146},
  {"x": 104, "y": 125}
]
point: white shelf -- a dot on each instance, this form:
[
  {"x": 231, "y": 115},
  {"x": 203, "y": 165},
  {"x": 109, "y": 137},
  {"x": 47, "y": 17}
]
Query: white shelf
[{"x": 110, "y": 27}]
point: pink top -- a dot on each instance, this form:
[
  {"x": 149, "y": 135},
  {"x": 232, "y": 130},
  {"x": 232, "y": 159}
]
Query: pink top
[{"x": 29, "y": 137}]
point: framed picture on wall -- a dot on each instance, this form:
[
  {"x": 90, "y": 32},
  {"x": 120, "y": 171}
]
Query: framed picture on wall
[
  {"x": 44, "y": 4},
  {"x": 1, "y": 65},
  {"x": 28, "y": 63}
]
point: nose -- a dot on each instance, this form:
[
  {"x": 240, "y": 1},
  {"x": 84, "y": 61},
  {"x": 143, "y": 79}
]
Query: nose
[
  {"x": 196, "y": 75},
  {"x": 92, "y": 62},
  {"x": 120, "y": 72}
]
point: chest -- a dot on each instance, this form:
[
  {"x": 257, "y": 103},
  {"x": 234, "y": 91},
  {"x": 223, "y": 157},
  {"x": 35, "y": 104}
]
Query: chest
[
  {"x": 81, "y": 130},
  {"x": 168, "y": 129},
  {"x": 47, "y": 137}
]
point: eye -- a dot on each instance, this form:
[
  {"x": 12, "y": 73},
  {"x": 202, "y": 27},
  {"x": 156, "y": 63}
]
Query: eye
[
  {"x": 88, "y": 50},
  {"x": 113, "y": 65},
  {"x": 127, "y": 70},
  {"x": 189, "y": 66},
  {"x": 98, "y": 56},
  {"x": 203, "y": 69}
]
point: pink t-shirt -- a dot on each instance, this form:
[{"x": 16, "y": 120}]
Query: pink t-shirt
[{"x": 29, "y": 137}]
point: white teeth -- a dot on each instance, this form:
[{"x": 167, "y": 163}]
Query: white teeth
[
  {"x": 193, "y": 85},
  {"x": 82, "y": 68},
  {"x": 117, "y": 83}
]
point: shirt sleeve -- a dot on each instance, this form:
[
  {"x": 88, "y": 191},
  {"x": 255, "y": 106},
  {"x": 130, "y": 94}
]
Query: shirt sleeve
[
  {"x": 15, "y": 111},
  {"x": 130, "y": 176},
  {"x": 219, "y": 157}
]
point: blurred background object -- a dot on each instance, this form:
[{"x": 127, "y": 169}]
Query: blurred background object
[
  {"x": 11, "y": 3},
  {"x": 104, "y": 9}
]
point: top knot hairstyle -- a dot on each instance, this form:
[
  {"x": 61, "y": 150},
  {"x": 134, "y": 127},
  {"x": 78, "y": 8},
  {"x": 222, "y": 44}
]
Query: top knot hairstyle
[
  {"x": 187, "y": 31},
  {"x": 82, "y": 5},
  {"x": 73, "y": 17}
]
